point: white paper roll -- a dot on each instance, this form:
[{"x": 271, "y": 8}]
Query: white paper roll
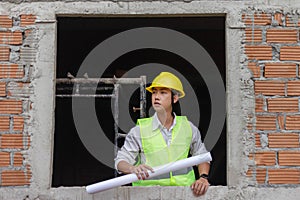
[{"x": 129, "y": 178}]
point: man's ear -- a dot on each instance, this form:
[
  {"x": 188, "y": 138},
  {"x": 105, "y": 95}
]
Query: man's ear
[{"x": 175, "y": 98}]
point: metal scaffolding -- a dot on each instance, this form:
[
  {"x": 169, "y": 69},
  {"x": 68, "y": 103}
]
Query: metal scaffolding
[{"x": 83, "y": 86}]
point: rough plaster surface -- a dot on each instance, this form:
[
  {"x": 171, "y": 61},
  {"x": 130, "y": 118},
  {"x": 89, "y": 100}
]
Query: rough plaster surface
[
  {"x": 240, "y": 97},
  {"x": 154, "y": 193}
]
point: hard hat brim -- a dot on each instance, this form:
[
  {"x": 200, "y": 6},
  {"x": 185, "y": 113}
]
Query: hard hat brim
[{"x": 150, "y": 89}]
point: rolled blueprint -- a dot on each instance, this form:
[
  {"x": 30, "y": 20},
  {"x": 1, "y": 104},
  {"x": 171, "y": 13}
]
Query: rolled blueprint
[{"x": 129, "y": 178}]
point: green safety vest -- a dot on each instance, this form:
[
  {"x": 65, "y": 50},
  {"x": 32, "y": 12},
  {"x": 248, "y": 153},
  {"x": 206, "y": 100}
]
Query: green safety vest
[{"x": 157, "y": 152}]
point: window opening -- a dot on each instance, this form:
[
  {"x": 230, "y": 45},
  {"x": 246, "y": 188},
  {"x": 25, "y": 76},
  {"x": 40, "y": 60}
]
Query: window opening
[{"x": 77, "y": 36}]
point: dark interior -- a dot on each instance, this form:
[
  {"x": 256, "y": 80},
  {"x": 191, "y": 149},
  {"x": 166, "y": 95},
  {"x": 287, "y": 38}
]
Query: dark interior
[{"x": 73, "y": 165}]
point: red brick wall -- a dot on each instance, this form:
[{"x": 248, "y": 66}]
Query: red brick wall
[
  {"x": 271, "y": 44},
  {"x": 14, "y": 114}
]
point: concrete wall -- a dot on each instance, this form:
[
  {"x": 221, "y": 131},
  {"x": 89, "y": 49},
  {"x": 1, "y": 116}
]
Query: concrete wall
[{"x": 28, "y": 97}]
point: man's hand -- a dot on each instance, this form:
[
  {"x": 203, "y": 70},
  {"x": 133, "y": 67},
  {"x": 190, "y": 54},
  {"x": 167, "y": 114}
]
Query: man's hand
[
  {"x": 141, "y": 171},
  {"x": 200, "y": 186}
]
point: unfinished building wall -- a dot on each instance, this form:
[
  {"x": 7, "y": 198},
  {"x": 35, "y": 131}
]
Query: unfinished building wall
[
  {"x": 263, "y": 89},
  {"x": 17, "y": 56},
  {"x": 271, "y": 45}
]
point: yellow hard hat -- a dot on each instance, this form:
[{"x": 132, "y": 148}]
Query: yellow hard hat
[{"x": 167, "y": 80}]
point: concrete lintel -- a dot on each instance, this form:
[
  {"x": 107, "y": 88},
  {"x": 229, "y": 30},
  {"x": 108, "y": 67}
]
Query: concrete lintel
[{"x": 47, "y": 11}]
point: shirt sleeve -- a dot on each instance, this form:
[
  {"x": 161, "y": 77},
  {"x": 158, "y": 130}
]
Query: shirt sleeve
[
  {"x": 131, "y": 148},
  {"x": 197, "y": 146}
]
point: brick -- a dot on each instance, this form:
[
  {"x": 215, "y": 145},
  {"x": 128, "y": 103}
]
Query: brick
[
  {"x": 284, "y": 176},
  {"x": 292, "y": 21},
  {"x": 249, "y": 126},
  {"x": 28, "y": 55},
  {"x": 265, "y": 122},
  {"x": 283, "y": 140},
  {"x": 5, "y": 21},
  {"x": 28, "y": 142},
  {"x": 293, "y": 88},
  {"x": 282, "y": 36},
  {"x": 18, "y": 159},
  {"x": 18, "y": 123},
  {"x": 292, "y": 122},
  {"x": 27, "y": 20},
  {"x": 27, "y": 32},
  {"x": 261, "y": 175},
  {"x": 4, "y": 159},
  {"x": 290, "y": 53},
  {"x": 31, "y": 38},
  {"x": 269, "y": 87},
  {"x": 257, "y": 19},
  {"x": 12, "y": 38},
  {"x": 4, "y": 53},
  {"x": 251, "y": 156},
  {"x": 281, "y": 122},
  {"x": 19, "y": 89},
  {"x": 257, "y": 140},
  {"x": 266, "y": 158},
  {"x": 258, "y": 52},
  {"x": 249, "y": 173},
  {"x": 12, "y": 141},
  {"x": 28, "y": 172},
  {"x": 4, "y": 123},
  {"x": 278, "y": 18},
  {"x": 254, "y": 69},
  {"x": 280, "y": 70},
  {"x": 11, "y": 71},
  {"x": 259, "y": 103},
  {"x": 253, "y": 35},
  {"x": 289, "y": 158},
  {"x": 2, "y": 89},
  {"x": 250, "y": 123},
  {"x": 14, "y": 178},
  {"x": 283, "y": 105},
  {"x": 10, "y": 106}
]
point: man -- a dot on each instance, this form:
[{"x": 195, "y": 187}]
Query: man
[{"x": 164, "y": 138}]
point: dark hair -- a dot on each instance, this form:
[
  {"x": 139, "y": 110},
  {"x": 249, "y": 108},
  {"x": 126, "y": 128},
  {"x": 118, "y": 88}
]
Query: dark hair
[{"x": 175, "y": 106}]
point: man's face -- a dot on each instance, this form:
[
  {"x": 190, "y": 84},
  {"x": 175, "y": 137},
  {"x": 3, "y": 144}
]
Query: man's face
[{"x": 161, "y": 99}]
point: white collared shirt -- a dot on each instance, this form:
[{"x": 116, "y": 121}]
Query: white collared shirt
[{"x": 133, "y": 146}]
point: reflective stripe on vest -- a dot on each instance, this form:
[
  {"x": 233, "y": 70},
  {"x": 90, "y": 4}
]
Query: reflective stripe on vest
[{"x": 157, "y": 152}]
